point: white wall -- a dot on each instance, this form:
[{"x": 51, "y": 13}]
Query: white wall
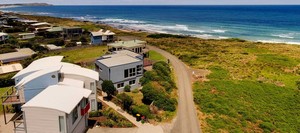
[
  {"x": 37, "y": 85},
  {"x": 87, "y": 83},
  {"x": 117, "y": 72},
  {"x": 77, "y": 125},
  {"x": 41, "y": 120}
]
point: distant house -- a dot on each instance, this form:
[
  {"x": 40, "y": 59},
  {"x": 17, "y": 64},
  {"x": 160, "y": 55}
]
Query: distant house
[
  {"x": 58, "y": 109},
  {"x": 9, "y": 68},
  {"x": 41, "y": 26},
  {"x": 72, "y": 31},
  {"x": 21, "y": 54},
  {"x": 136, "y": 46},
  {"x": 122, "y": 68},
  {"x": 3, "y": 36},
  {"x": 51, "y": 88},
  {"x": 27, "y": 21},
  {"x": 51, "y": 47},
  {"x": 55, "y": 30},
  {"x": 100, "y": 36},
  {"x": 26, "y": 35}
]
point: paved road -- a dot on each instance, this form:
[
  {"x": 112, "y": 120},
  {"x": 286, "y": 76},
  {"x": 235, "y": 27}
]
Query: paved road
[{"x": 186, "y": 120}]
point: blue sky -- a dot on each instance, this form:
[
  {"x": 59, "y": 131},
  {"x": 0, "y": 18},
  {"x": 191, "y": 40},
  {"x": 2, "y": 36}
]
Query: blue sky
[{"x": 159, "y": 2}]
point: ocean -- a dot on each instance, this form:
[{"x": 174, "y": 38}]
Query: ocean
[{"x": 255, "y": 23}]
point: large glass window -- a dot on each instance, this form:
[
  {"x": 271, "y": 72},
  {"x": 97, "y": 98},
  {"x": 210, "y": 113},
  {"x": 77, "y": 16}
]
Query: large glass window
[
  {"x": 129, "y": 72},
  {"x": 93, "y": 108}
]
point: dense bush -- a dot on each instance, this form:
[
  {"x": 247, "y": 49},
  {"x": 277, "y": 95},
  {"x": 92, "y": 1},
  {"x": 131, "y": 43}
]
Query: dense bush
[
  {"x": 142, "y": 110},
  {"x": 125, "y": 100},
  {"x": 71, "y": 44},
  {"x": 157, "y": 36},
  {"x": 160, "y": 99},
  {"x": 58, "y": 42},
  {"x": 14, "y": 30},
  {"x": 6, "y": 80},
  {"x": 7, "y": 48},
  {"x": 94, "y": 114},
  {"x": 127, "y": 88}
]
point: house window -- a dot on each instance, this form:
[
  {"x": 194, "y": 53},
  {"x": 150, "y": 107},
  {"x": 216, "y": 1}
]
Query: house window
[
  {"x": 120, "y": 85},
  {"x": 126, "y": 73},
  {"x": 62, "y": 126},
  {"x": 129, "y": 72},
  {"x": 139, "y": 69},
  {"x": 74, "y": 114},
  {"x": 92, "y": 86},
  {"x": 131, "y": 82}
]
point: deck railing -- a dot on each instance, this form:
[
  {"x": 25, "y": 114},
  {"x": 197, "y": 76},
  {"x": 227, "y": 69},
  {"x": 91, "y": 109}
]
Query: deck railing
[{"x": 11, "y": 96}]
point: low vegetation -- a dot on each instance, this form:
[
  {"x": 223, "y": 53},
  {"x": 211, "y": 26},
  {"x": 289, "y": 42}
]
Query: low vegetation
[
  {"x": 253, "y": 87},
  {"x": 107, "y": 117}
]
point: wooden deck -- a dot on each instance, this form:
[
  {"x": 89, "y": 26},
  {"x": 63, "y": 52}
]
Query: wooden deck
[{"x": 11, "y": 97}]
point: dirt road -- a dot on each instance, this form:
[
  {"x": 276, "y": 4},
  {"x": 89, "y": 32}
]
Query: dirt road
[{"x": 186, "y": 120}]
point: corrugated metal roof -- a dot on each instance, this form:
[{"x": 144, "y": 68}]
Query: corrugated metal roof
[
  {"x": 117, "y": 59},
  {"x": 80, "y": 71},
  {"x": 14, "y": 56},
  {"x": 58, "y": 97},
  {"x": 102, "y": 33},
  {"x": 10, "y": 68}
]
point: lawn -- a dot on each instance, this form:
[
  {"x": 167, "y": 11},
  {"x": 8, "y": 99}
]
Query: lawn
[
  {"x": 252, "y": 87},
  {"x": 2, "y": 91},
  {"x": 153, "y": 55},
  {"x": 87, "y": 54}
]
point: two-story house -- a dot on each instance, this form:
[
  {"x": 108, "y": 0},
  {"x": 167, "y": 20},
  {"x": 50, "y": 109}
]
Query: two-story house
[{"x": 122, "y": 68}]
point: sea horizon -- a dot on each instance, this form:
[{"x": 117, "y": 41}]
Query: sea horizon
[{"x": 259, "y": 23}]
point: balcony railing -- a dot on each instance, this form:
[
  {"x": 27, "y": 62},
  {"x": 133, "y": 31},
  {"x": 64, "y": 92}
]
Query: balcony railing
[
  {"x": 85, "y": 109},
  {"x": 11, "y": 96}
]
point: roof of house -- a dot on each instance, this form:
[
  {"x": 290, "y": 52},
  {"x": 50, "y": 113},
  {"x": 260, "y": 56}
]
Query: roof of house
[
  {"x": 101, "y": 33},
  {"x": 55, "y": 29},
  {"x": 52, "y": 47},
  {"x": 117, "y": 59},
  {"x": 21, "y": 53},
  {"x": 72, "y": 82},
  {"x": 127, "y": 52},
  {"x": 41, "y": 64},
  {"x": 37, "y": 74},
  {"x": 58, "y": 97},
  {"x": 71, "y": 27},
  {"x": 24, "y": 34},
  {"x": 27, "y": 21},
  {"x": 10, "y": 68},
  {"x": 127, "y": 44},
  {"x": 3, "y": 34},
  {"x": 80, "y": 71},
  {"x": 40, "y": 23}
]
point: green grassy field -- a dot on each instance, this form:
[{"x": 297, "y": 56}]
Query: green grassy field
[
  {"x": 252, "y": 86},
  {"x": 153, "y": 55},
  {"x": 79, "y": 55}
]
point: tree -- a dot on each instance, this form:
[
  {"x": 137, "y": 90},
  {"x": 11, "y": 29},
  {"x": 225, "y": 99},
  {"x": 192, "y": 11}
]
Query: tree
[
  {"x": 127, "y": 88},
  {"x": 108, "y": 87},
  {"x": 126, "y": 101}
]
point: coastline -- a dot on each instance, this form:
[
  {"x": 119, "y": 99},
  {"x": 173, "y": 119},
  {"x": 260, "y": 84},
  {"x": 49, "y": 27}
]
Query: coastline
[{"x": 128, "y": 29}]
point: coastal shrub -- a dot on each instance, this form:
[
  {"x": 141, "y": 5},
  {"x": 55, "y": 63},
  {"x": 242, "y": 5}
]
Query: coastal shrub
[
  {"x": 57, "y": 42},
  {"x": 127, "y": 88},
  {"x": 158, "y": 36},
  {"x": 142, "y": 110},
  {"x": 126, "y": 101},
  {"x": 267, "y": 127},
  {"x": 71, "y": 44},
  {"x": 298, "y": 85},
  {"x": 7, "y": 48},
  {"x": 94, "y": 114},
  {"x": 14, "y": 30},
  {"x": 160, "y": 98}
]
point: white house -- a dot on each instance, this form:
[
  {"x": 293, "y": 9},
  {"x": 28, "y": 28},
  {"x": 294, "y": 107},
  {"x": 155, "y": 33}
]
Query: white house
[
  {"x": 26, "y": 35},
  {"x": 3, "y": 36},
  {"x": 50, "y": 71},
  {"x": 122, "y": 68},
  {"x": 57, "y": 109},
  {"x": 136, "y": 46},
  {"x": 100, "y": 36}
]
